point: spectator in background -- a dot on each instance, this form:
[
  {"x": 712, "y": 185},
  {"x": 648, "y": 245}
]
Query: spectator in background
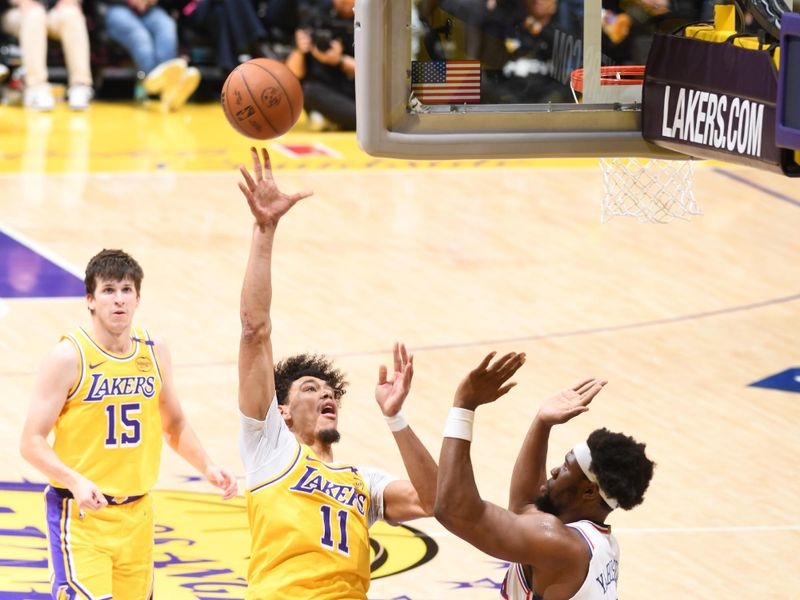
[
  {"x": 281, "y": 18},
  {"x": 323, "y": 61},
  {"x": 529, "y": 73},
  {"x": 31, "y": 22},
  {"x": 150, "y": 35},
  {"x": 232, "y": 24}
]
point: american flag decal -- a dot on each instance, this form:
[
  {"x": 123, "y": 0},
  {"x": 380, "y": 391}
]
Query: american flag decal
[{"x": 446, "y": 82}]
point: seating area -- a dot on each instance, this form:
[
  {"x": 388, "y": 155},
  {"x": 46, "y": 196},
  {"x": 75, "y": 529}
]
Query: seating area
[{"x": 115, "y": 74}]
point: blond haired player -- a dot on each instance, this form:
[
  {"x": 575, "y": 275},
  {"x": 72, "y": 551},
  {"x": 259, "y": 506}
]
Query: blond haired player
[
  {"x": 107, "y": 394},
  {"x": 308, "y": 515}
]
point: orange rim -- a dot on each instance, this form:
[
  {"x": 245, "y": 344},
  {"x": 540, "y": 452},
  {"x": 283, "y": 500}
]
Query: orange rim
[{"x": 613, "y": 75}]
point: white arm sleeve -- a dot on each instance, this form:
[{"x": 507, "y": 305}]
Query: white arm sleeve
[
  {"x": 376, "y": 481},
  {"x": 266, "y": 447}
]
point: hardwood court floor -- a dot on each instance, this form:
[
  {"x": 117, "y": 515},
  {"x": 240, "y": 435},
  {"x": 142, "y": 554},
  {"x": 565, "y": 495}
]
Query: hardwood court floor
[{"x": 456, "y": 259}]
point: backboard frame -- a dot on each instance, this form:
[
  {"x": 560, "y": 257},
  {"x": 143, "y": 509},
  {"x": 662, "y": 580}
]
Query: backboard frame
[{"x": 388, "y": 128}]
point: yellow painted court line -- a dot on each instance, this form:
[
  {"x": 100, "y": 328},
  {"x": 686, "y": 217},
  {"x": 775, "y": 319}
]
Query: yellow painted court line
[{"x": 126, "y": 137}]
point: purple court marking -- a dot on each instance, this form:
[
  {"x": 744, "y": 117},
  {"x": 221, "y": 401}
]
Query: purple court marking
[
  {"x": 757, "y": 186},
  {"x": 26, "y": 273},
  {"x": 509, "y": 340},
  {"x": 590, "y": 331}
]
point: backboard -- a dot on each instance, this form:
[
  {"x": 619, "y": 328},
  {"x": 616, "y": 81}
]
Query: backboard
[{"x": 419, "y": 93}]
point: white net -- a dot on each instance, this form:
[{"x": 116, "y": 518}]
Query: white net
[{"x": 651, "y": 190}]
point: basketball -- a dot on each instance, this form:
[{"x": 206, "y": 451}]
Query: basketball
[{"x": 262, "y": 98}]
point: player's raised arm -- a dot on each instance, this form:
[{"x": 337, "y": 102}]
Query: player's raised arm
[
  {"x": 412, "y": 498},
  {"x": 535, "y": 538},
  {"x": 267, "y": 204},
  {"x": 530, "y": 469}
]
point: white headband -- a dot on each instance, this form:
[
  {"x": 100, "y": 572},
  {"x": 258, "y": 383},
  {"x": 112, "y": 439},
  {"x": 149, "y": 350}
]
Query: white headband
[{"x": 583, "y": 456}]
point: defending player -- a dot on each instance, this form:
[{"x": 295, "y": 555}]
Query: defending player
[
  {"x": 309, "y": 517},
  {"x": 554, "y": 533},
  {"x": 108, "y": 395}
]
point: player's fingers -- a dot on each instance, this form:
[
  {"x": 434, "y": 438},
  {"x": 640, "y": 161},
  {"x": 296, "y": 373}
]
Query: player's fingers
[
  {"x": 507, "y": 365},
  {"x": 267, "y": 162},
  {"x": 251, "y": 201},
  {"x": 503, "y": 361},
  {"x": 486, "y": 360},
  {"x": 294, "y": 198},
  {"x": 259, "y": 175},
  {"x": 584, "y": 385},
  {"x": 382, "y": 374},
  {"x": 245, "y": 173},
  {"x": 398, "y": 365},
  {"x": 229, "y": 485},
  {"x": 403, "y": 354},
  {"x": 506, "y": 388},
  {"x": 408, "y": 373},
  {"x": 593, "y": 391},
  {"x": 246, "y": 191},
  {"x": 98, "y": 500}
]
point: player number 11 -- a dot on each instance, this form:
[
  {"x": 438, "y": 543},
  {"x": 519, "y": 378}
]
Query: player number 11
[{"x": 327, "y": 529}]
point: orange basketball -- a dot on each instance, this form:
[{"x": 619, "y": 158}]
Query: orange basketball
[{"x": 262, "y": 98}]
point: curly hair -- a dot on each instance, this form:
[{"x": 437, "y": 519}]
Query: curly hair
[
  {"x": 293, "y": 368},
  {"x": 113, "y": 265},
  {"x": 621, "y": 466}
]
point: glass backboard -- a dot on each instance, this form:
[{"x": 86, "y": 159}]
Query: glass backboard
[{"x": 491, "y": 78}]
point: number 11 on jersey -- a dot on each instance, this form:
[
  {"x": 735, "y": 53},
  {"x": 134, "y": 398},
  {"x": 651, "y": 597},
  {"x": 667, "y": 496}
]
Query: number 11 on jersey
[{"x": 327, "y": 529}]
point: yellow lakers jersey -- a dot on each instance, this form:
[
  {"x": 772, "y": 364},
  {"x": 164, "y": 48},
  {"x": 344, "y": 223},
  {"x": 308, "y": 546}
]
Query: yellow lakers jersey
[
  {"x": 109, "y": 430},
  {"x": 310, "y": 538}
]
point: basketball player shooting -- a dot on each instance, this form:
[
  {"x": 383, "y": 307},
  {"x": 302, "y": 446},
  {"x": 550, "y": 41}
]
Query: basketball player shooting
[
  {"x": 554, "y": 532},
  {"x": 309, "y": 518},
  {"x": 108, "y": 395}
]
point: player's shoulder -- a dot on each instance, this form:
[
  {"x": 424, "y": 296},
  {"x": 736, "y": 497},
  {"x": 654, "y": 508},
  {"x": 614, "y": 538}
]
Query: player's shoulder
[
  {"x": 374, "y": 477},
  {"x": 64, "y": 352},
  {"x": 158, "y": 341},
  {"x": 549, "y": 530},
  {"x": 61, "y": 363}
]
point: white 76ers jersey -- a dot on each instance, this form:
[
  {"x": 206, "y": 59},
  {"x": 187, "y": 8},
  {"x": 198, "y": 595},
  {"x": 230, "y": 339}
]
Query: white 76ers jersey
[{"x": 601, "y": 580}]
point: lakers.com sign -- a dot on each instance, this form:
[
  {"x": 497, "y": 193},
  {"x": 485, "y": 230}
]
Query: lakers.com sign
[{"x": 201, "y": 545}]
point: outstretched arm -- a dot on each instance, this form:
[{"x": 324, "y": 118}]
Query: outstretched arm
[
  {"x": 530, "y": 469},
  {"x": 405, "y": 500},
  {"x": 256, "y": 366},
  {"x": 458, "y": 503},
  {"x": 534, "y": 538}
]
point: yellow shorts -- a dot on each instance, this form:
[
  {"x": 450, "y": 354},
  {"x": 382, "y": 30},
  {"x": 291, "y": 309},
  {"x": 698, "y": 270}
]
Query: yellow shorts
[{"x": 103, "y": 554}]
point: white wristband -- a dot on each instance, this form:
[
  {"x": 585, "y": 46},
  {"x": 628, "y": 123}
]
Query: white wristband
[
  {"x": 459, "y": 423},
  {"x": 396, "y": 422}
]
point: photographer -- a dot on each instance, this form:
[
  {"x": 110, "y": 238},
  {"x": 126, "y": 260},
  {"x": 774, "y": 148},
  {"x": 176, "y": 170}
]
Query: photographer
[{"x": 323, "y": 62}]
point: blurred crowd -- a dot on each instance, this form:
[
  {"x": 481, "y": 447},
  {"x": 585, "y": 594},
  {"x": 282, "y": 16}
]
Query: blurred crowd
[
  {"x": 527, "y": 48},
  {"x": 168, "y": 46}
]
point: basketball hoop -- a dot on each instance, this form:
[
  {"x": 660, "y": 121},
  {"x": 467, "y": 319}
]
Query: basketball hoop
[{"x": 651, "y": 190}]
